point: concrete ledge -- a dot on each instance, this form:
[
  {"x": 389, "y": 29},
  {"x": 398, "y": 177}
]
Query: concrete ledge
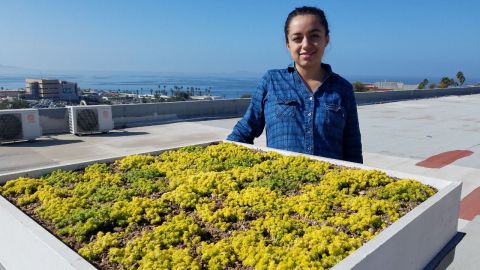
[
  {"x": 55, "y": 121},
  {"x": 131, "y": 115},
  {"x": 409, "y": 243},
  {"x": 366, "y": 98},
  {"x": 26, "y": 245}
]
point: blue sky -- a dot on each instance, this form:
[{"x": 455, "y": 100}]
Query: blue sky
[{"x": 369, "y": 38}]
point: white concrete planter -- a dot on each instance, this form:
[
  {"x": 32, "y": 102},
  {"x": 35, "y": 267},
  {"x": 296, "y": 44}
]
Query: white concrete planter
[{"x": 409, "y": 243}]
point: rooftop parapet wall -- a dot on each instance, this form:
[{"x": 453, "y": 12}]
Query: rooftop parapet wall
[
  {"x": 159, "y": 113},
  {"x": 55, "y": 121},
  {"x": 366, "y": 98}
]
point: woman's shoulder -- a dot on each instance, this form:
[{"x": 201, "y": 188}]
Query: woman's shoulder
[
  {"x": 335, "y": 78},
  {"x": 340, "y": 81},
  {"x": 278, "y": 76},
  {"x": 279, "y": 72}
]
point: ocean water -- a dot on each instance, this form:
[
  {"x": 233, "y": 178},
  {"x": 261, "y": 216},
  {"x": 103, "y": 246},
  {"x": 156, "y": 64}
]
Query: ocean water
[{"x": 225, "y": 85}]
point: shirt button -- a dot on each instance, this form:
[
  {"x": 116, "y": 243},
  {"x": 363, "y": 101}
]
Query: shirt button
[
  {"x": 311, "y": 98},
  {"x": 309, "y": 114}
]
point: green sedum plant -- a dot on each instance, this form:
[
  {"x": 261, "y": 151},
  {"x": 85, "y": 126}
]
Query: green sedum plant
[{"x": 216, "y": 207}]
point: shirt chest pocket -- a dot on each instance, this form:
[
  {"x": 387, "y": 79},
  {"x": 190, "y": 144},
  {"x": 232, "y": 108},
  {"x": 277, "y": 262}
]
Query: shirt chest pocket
[
  {"x": 285, "y": 108},
  {"x": 335, "y": 116}
]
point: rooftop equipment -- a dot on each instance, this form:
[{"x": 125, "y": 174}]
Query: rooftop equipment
[
  {"x": 19, "y": 125},
  {"x": 90, "y": 119}
]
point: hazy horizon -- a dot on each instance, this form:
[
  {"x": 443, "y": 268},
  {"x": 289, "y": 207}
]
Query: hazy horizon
[
  {"x": 370, "y": 38},
  {"x": 20, "y": 71}
]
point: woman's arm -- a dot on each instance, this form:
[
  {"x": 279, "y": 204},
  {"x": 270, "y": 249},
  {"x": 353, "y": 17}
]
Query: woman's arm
[
  {"x": 352, "y": 143},
  {"x": 252, "y": 124}
]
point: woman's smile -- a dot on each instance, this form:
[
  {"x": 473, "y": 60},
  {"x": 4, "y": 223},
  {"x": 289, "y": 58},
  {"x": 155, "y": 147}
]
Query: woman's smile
[{"x": 308, "y": 55}]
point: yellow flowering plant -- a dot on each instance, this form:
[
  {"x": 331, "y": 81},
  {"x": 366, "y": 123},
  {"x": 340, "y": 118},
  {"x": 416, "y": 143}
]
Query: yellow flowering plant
[{"x": 216, "y": 207}]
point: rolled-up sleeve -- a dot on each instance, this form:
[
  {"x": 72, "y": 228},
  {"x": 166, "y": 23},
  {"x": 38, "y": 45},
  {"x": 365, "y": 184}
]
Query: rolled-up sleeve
[
  {"x": 352, "y": 143},
  {"x": 252, "y": 123}
]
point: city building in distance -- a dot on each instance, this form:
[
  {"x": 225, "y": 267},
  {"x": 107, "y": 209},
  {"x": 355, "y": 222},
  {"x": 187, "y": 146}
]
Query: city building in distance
[
  {"x": 13, "y": 93},
  {"x": 51, "y": 89},
  {"x": 395, "y": 85}
]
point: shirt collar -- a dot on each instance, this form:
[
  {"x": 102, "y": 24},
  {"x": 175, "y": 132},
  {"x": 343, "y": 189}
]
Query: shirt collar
[
  {"x": 328, "y": 69},
  {"x": 306, "y": 92}
]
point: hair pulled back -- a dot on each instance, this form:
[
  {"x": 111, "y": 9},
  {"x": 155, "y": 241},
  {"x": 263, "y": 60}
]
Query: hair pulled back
[{"x": 305, "y": 10}]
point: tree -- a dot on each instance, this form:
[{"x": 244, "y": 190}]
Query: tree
[
  {"x": 181, "y": 96},
  {"x": 423, "y": 84},
  {"x": 359, "y": 87},
  {"x": 14, "y": 104},
  {"x": 460, "y": 77},
  {"x": 446, "y": 82}
]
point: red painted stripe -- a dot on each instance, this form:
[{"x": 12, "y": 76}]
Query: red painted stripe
[
  {"x": 470, "y": 205},
  {"x": 443, "y": 159}
]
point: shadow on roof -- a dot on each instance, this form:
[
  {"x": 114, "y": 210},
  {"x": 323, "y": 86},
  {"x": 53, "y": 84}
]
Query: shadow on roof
[{"x": 41, "y": 142}]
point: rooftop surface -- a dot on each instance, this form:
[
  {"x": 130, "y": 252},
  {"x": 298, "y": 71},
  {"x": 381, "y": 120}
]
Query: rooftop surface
[{"x": 430, "y": 137}]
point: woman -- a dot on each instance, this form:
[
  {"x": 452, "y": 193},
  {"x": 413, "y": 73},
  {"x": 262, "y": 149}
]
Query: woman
[{"x": 306, "y": 107}]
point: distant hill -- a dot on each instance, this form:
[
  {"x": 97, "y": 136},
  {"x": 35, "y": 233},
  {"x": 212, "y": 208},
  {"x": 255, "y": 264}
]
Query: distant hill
[{"x": 6, "y": 69}]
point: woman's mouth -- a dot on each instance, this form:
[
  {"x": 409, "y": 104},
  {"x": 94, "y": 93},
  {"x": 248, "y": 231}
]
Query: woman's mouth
[{"x": 307, "y": 55}]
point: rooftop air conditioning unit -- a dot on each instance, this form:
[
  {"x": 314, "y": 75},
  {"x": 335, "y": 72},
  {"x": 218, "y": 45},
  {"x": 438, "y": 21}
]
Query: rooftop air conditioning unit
[
  {"x": 90, "y": 119},
  {"x": 19, "y": 125}
]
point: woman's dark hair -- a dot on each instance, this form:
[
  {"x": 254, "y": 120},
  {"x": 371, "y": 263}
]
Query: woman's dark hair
[{"x": 306, "y": 11}]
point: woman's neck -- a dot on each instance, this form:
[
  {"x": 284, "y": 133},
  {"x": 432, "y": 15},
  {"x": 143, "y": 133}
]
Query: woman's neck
[{"x": 312, "y": 77}]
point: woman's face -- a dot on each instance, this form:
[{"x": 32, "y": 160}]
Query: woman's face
[{"x": 307, "y": 40}]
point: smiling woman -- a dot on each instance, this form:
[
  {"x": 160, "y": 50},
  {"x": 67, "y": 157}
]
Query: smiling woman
[{"x": 306, "y": 107}]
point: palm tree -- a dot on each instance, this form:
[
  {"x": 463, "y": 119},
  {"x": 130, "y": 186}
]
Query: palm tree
[
  {"x": 460, "y": 77},
  {"x": 423, "y": 84},
  {"x": 359, "y": 87},
  {"x": 446, "y": 82}
]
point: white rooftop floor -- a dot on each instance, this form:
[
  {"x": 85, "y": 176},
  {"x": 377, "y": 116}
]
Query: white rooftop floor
[{"x": 395, "y": 136}]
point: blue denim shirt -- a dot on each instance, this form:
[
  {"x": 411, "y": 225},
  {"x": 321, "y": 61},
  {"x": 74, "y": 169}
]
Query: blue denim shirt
[{"x": 324, "y": 123}]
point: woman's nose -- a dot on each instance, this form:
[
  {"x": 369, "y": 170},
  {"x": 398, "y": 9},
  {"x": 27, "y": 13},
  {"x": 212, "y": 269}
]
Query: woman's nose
[{"x": 307, "y": 42}]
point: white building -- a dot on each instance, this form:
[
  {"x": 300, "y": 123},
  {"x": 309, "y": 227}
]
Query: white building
[
  {"x": 395, "y": 85},
  {"x": 51, "y": 89}
]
